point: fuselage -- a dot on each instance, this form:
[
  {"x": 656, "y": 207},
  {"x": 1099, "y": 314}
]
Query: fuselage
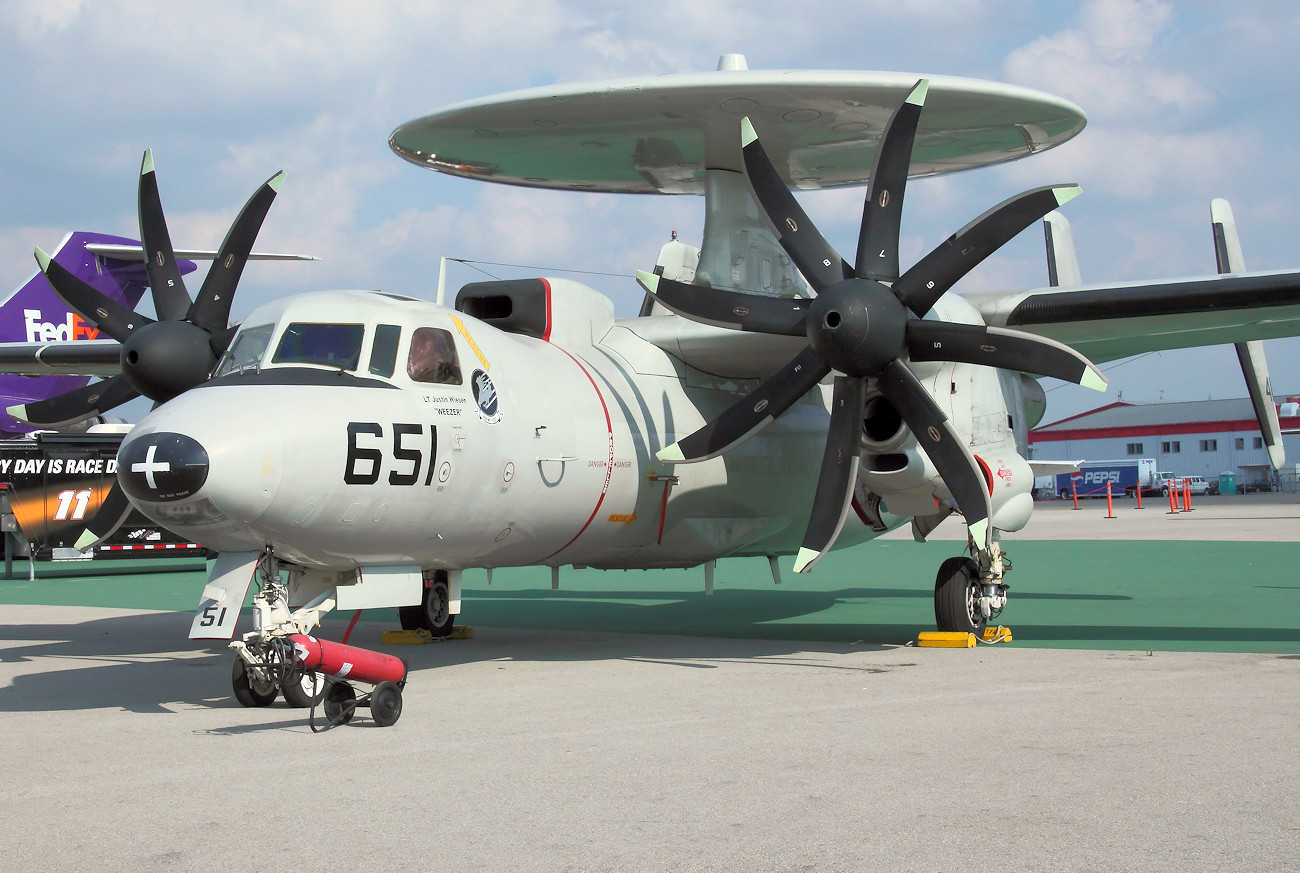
[{"x": 359, "y": 428}]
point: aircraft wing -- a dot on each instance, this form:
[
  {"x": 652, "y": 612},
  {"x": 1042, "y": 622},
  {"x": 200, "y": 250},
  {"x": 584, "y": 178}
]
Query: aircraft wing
[
  {"x": 1106, "y": 322},
  {"x": 76, "y": 358}
]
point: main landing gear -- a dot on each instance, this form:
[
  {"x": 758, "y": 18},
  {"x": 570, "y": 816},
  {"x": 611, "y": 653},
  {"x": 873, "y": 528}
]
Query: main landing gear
[
  {"x": 434, "y": 612},
  {"x": 969, "y": 591}
]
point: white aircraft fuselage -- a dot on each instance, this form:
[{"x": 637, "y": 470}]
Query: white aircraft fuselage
[{"x": 526, "y": 450}]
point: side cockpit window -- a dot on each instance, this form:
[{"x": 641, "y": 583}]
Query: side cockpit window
[
  {"x": 383, "y": 351},
  {"x": 330, "y": 345},
  {"x": 246, "y": 351},
  {"x": 433, "y": 357}
]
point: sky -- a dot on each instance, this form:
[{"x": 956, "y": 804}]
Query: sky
[{"x": 1186, "y": 102}]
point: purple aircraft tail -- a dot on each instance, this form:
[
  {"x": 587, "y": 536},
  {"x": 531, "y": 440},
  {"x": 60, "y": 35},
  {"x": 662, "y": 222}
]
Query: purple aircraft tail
[{"x": 34, "y": 313}]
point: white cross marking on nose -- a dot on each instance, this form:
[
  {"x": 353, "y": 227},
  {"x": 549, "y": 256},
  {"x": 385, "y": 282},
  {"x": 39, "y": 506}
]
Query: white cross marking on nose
[{"x": 149, "y": 467}]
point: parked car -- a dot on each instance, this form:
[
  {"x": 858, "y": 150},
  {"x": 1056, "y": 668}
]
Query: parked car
[{"x": 1197, "y": 484}]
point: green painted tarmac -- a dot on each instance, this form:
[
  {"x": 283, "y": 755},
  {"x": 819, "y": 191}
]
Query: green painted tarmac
[{"x": 1157, "y": 596}]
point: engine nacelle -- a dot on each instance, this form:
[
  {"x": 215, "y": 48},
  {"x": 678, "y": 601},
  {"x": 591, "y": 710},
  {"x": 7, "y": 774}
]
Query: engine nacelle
[
  {"x": 883, "y": 429},
  {"x": 1012, "y": 481}
]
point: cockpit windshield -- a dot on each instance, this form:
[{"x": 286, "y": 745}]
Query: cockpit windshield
[
  {"x": 331, "y": 345},
  {"x": 247, "y": 349}
]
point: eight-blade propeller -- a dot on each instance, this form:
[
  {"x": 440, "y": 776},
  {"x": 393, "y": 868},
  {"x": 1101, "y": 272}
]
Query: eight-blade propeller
[
  {"x": 866, "y": 323},
  {"x": 160, "y": 359}
]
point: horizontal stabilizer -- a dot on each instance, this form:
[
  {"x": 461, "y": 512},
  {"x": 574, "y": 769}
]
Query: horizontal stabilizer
[
  {"x": 136, "y": 253},
  {"x": 1053, "y": 468},
  {"x": 59, "y": 357}
]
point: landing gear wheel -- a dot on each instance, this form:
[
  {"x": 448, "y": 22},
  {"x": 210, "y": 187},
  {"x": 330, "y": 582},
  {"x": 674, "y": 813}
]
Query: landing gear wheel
[
  {"x": 386, "y": 704},
  {"x": 956, "y": 597},
  {"x": 301, "y": 689},
  {"x": 251, "y": 690},
  {"x": 411, "y": 617},
  {"x": 435, "y": 608},
  {"x": 340, "y": 703}
]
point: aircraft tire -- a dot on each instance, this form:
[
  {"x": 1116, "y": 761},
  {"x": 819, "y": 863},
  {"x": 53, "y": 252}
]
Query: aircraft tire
[
  {"x": 956, "y": 591},
  {"x": 298, "y": 691},
  {"x": 435, "y": 613},
  {"x": 411, "y": 617},
  {"x": 386, "y": 704},
  {"x": 249, "y": 690}
]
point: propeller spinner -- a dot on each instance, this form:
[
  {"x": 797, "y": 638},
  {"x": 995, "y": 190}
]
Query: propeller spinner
[{"x": 867, "y": 322}]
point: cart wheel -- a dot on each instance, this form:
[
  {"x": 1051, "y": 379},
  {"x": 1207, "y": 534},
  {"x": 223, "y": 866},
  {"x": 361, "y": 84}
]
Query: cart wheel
[
  {"x": 386, "y": 704},
  {"x": 249, "y": 689},
  {"x": 340, "y": 702}
]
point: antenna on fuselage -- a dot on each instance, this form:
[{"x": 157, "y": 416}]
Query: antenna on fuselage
[{"x": 441, "y": 297}]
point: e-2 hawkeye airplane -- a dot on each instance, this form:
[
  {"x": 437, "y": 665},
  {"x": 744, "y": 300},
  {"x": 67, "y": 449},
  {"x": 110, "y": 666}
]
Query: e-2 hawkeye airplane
[{"x": 360, "y": 449}]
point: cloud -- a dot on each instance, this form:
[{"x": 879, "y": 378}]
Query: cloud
[
  {"x": 1104, "y": 62},
  {"x": 32, "y": 20}
]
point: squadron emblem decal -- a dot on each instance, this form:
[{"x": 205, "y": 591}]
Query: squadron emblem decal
[{"x": 485, "y": 396}]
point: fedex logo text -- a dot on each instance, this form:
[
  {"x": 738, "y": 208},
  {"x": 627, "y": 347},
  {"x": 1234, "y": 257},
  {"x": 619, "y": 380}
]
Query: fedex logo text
[{"x": 72, "y": 328}]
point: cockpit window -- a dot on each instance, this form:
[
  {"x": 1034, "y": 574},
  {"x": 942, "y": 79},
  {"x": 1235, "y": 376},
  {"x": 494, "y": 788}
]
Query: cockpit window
[
  {"x": 331, "y": 345},
  {"x": 383, "y": 351},
  {"x": 247, "y": 349},
  {"x": 433, "y": 357}
]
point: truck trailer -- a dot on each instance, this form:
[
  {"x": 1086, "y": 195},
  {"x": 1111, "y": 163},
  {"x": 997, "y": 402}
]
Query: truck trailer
[{"x": 1125, "y": 477}]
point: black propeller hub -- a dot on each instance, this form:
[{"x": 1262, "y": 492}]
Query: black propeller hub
[
  {"x": 857, "y": 327},
  {"x": 167, "y": 358}
]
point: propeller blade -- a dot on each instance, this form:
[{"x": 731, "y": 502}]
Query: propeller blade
[
  {"x": 883, "y": 212},
  {"x": 220, "y": 340},
  {"x": 838, "y": 474},
  {"x": 211, "y": 309},
  {"x": 751, "y": 414},
  {"x": 999, "y": 347},
  {"x": 815, "y": 258},
  {"x": 170, "y": 299},
  {"x": 112, "y": 512},
  {"x": 785, "y": 316},
  {"x": 933, "y": 275},
  {"x": 945, "y": 448},
  {"x": 99, "y": 309},
  {"x": 87, "y": 402}
]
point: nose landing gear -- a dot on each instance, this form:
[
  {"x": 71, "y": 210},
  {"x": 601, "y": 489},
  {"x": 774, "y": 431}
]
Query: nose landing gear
[
  {"x": 279, "y": 656},
  {"x": 969, "y": 591}
]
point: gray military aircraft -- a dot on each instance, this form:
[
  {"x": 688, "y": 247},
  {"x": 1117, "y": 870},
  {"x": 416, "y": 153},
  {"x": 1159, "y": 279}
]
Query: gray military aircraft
[{"x": 359, "y": 449}]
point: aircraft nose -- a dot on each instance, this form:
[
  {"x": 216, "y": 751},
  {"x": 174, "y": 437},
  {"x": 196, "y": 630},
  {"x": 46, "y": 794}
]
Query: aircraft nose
[
  {"x": 191, "y": 465},
  {"x": 162, "y": 467}
]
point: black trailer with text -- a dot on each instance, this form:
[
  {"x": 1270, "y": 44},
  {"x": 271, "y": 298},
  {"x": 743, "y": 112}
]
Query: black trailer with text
[{"x": 52, "y": 485}]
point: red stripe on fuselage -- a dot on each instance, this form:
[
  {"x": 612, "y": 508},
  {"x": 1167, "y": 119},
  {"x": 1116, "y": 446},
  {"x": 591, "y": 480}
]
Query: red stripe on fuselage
[
  {"x": 609, "y": 464},
  {"x": 546, "y": 335}
]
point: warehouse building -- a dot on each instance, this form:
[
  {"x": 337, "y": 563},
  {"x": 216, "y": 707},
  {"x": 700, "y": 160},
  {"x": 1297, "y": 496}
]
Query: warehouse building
[{"x": 1196, "y": 438}]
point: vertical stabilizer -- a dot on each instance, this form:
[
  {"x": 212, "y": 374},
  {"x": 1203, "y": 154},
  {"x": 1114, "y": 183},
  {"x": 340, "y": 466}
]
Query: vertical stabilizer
[
  {"x": 1062, "y": 262},
  {"x": 1228, "y": 259},
  {"x": 676, "y": 261}
]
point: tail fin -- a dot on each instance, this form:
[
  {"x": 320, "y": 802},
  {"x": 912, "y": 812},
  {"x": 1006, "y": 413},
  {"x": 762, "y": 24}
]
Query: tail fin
[
  {"x": 1062, "y": 262},
  {"x": 34, "y": 313}
]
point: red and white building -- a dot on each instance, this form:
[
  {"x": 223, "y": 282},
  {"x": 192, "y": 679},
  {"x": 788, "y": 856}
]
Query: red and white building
[{"x": 1195, "y": 438}]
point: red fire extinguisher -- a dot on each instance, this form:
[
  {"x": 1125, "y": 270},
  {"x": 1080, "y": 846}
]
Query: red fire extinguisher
[{"x": 346, "y": 662}]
